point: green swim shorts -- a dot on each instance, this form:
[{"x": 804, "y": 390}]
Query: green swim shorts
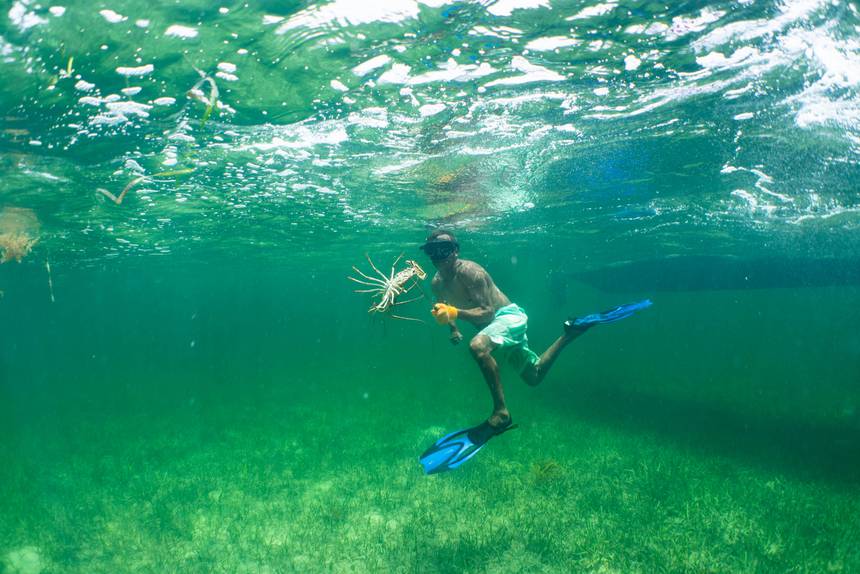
[{"x": 508, "y": 332}]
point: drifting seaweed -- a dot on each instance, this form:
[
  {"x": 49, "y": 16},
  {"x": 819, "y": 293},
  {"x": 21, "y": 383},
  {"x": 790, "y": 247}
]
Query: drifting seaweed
[
  {"x": 15, "y": 246},
  {"x": 63, "y": 73},
  {"x": 211, "y": 102},
  {"x": 117, "y": 199},
  {"x": 19, "y": 232},
  {"x": 67, "y": 73}
]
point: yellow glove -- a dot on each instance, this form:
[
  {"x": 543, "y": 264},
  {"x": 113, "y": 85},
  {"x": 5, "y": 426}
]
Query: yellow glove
[{"x": 444, "y": 314}]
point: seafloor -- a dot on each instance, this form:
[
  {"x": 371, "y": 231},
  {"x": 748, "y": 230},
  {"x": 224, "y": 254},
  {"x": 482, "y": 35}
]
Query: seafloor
[{"x": 728, "y": 445}]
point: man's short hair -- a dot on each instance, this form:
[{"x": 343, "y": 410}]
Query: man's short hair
[{"x": 436, "y": 233}]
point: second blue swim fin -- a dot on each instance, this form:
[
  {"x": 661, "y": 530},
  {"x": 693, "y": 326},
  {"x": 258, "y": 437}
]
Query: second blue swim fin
[
  {"x": 608, "y": 316},
  {"x": 455, "y": 448}
]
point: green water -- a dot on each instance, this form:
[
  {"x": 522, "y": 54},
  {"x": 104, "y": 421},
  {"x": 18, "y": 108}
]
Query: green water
[{"x": 188, "y": 382}]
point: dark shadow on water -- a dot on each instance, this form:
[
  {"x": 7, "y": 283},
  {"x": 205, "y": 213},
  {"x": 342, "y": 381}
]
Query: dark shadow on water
[
  {"x": 708, "y": 273},
  {"x": 805, "y": 449}
]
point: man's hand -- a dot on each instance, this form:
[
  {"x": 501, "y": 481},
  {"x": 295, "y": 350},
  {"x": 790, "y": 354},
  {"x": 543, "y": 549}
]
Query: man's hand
[
  {"x": 456, "y": 335},
  {"x": 445, "y": 314}
]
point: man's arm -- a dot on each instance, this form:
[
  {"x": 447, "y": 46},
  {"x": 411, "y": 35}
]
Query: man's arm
[
  {"x": 479, "y": 285},
  {"x": 436, "y": 286}
]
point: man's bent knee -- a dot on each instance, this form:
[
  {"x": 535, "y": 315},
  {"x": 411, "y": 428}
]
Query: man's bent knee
[
  {"x": 531, "y": 375},
  {"x": 480, "y": 346}
]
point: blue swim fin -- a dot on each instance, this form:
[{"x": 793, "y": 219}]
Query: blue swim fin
[
  {"x": 455, "y": 448},
  {"x": 608, "y": 316}
]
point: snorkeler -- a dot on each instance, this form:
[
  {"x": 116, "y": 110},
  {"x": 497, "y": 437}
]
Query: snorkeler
[{"x": 464, "y": 290}]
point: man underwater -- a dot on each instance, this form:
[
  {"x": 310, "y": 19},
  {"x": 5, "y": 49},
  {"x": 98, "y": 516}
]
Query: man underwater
[{"x": 464, "y": 290}]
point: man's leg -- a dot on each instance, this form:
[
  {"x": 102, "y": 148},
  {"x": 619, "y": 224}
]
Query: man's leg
[
  {"x": 534, "y": 374},
  {"x": 481, "y": 347}
]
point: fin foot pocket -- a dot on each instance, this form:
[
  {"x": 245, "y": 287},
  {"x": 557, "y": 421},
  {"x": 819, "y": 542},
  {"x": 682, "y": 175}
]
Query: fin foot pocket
[{"x": 608, "y": 316}]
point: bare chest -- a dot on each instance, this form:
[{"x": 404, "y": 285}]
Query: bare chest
[{"x": 457, "y": 293}]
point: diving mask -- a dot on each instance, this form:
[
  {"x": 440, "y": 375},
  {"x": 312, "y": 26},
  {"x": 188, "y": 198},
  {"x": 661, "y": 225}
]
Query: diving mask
[{"x": 439, "y": 250}]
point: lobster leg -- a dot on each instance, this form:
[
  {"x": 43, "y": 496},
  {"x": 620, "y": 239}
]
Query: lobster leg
[
  {"x": 374, "y": 279},
  {"x": 407, "y": 318},
  {"x": 408, "y": 300},
  {"x": 381, "y": 274},
  {"x": 368, "y": 284}
]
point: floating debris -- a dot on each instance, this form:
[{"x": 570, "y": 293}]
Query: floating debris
[
  {"x": 16, "y": 134},
  {"x": 50, "y": 281}
]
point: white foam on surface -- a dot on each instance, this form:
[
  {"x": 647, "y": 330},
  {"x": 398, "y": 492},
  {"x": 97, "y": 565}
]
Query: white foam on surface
[
  {"x": 353, "y": 13},
  {"x": 829, "y": 98},
  {"x": 592, "y": 11},
  {"x": 652, "y": 29},
  {"x": 631, "y": 62},
  {"x": 299, "y": 136},
  {"x": 180, "y": 31},
  {"x": 108, "y": 119},
  {"x": 682, "y": 25},
  {"x": 716, "y": 60},
  {"x": 504, "y": 32},
  {"x": 366, "y": 67},
  {"x": 129, "y": 108},
  {"x": 181, "y": 137},
  {"x": 112, "y": 17},
  {"x": 370, "y": 117},
  {"x": 516, "y": 101},
  {"x": 135, "y": 71},
  {"x": 452, "y": 71},
  {"x": 792, "y": 11},
  {"x": 736, "y": 93},
  {"x": 23, "y": 18},
  {"x": 431, "y": 109},
  {"x": 398, "y": 74},
  {"x": 57, "y": 10},
  {"x": 6, "y": 49},
  {"x": 832, "y": 97},
  {"x": 531, "y": 73},
  {"x": 507, "y": 7},
  {"x": 752, "y": 203},
  {"x": 551, "y": 43}
]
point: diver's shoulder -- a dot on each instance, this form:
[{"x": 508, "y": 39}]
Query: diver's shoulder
[
  {"x": 471, "y": 268},
  {"x": 469, "y": 264}
]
